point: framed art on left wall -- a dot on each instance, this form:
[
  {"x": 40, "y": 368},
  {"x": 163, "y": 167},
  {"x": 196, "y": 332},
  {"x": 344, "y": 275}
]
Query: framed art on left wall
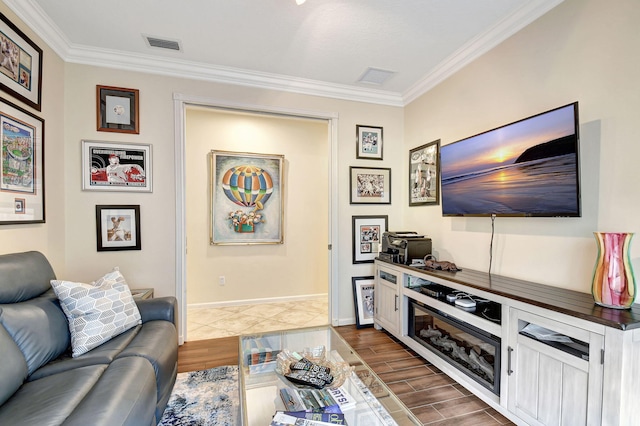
[
  {"x": 21, "y": 65},
  {"x": 21, "y": 166}
]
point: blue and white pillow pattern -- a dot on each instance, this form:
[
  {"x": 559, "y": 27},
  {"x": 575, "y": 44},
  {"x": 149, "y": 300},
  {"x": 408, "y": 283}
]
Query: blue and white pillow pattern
[{"x": 98, "y": 311}]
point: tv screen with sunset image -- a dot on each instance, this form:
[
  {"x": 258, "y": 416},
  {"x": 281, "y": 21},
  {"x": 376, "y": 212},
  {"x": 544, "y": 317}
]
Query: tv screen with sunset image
[{"x": 526, "y": 168}]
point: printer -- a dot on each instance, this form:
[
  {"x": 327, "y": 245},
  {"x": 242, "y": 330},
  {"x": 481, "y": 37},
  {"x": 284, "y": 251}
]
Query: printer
[{"x": 404, "y": 247}]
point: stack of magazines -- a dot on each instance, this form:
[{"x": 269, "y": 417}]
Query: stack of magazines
[{"x": 313, "y": 407}]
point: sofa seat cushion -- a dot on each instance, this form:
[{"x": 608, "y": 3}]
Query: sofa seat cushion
[
  {"x": 49, "y": 401},
  {"x": 96, "y": 313},
  {"x": 125, "y": 395},
  {"x": 157, "y": 342},
  {"x": 121, "y": 393},
  {"x": 13, "y": 367},
  {"x": 38, "y": 327},
  {"x": 103, "y": 354}
]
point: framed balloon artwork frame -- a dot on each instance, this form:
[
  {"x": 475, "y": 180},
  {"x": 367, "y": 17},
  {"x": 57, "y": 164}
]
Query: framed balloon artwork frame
[{"x": 246, "y": 198}]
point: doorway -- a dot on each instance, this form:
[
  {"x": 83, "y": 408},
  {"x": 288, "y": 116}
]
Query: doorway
[{"x": 231, "y": 274}]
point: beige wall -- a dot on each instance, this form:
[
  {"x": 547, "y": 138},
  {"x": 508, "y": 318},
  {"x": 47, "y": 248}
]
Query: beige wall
[
  {"x": 580, "y": 51},
  {"x": 154, "y": 265},
  {"x": 48, "y": 237},
  {"x": 299, "y": 267}
]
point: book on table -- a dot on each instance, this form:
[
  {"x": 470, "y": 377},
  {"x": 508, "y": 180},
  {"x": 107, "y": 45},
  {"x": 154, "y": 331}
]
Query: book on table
[{"x": 327, "y": 400}]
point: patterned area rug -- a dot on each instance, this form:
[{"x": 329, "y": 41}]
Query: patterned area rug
[{"x": 204, "y": 398}]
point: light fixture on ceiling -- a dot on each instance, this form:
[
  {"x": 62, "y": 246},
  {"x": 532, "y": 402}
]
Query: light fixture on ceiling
[{"x": 299, "y": 2}]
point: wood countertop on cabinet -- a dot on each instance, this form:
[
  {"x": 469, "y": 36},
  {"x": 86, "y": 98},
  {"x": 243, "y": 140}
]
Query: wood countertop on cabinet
[{"x": 569, "y": 302}]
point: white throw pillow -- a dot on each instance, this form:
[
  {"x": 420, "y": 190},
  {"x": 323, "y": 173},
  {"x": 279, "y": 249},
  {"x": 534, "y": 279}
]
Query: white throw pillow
[{"x": 98, "y": 311}]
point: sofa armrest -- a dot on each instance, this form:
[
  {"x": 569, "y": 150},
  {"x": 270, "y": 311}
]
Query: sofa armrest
[{"x": 159, "y": 308}]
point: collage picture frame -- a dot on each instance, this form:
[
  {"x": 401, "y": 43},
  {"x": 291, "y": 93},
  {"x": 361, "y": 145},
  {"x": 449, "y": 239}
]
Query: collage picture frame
[
  {"x": 367, "y": 236},
  {"x": 21, "y": 65},
  {"x": 424, "y": 174}
]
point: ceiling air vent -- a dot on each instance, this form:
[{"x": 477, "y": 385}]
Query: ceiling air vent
[
  {"x": 162, "y": 43},
  {"x": 375, "y": 76}
]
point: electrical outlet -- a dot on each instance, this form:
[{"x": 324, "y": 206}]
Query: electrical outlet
[{"x": 222, "y": 280}]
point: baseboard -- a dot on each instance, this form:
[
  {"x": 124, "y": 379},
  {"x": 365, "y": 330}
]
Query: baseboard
[{"x": 285, "y": 299}]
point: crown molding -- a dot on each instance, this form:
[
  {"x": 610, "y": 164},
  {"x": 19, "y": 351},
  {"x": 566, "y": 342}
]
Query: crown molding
[
  {"x": 480, "y": 45},
  {"x": 33, "y": 15}
]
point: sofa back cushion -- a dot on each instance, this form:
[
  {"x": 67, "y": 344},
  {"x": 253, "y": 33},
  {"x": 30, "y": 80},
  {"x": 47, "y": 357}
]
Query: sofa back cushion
[
  {"x": 24, "y": 276},
  {"x": 13, "y": 367},
  {"x": 38, "y": 327}
]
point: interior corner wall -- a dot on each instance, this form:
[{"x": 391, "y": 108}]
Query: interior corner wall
[
  {"x": 48, "y": 237},
  {"x": 579, "y": 51},
  {"x": 258, "y": 272}
]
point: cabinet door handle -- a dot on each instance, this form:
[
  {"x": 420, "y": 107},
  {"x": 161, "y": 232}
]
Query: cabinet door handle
[
  {"x": 509, "y": 352},
  {"x": 395, "y": 303}
]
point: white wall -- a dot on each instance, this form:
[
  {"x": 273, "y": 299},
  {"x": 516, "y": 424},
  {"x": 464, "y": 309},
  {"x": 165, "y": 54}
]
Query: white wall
[
  {"x": 580, "y": 51},
  {"x": 298, "y": 267},
  {"x": 47, "y": 238}
]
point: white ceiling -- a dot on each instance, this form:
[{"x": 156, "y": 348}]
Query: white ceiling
[{"x": 322, "y": 47}]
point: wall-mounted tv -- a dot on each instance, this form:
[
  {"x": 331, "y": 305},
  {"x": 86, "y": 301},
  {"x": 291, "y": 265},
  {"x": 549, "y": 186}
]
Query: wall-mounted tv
[{"x": 526, "y": 168}]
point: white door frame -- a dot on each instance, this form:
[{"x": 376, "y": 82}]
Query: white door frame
[{"x": 180, "y": 104}]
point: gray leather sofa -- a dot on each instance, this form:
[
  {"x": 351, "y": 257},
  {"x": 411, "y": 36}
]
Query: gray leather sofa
[{"x": 125, "y": 381}]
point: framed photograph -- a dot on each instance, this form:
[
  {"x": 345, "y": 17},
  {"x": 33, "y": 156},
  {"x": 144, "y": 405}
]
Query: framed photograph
[
  {"x": 424, "y": 174},
  {"x": 118, "y": 109},
  {"x": 247, "y": 198},
  {"x": 369, "y": 185},
  {"x": 369, "y": 142},
  {"x": 21, "y": 166},
  {"x": 20, "y": 65},
  {"x": 118, "y": 227},
  {"x": 367, "y": 237},
  {"x": 114, "y": 166},
  {"x": 363, "y": 300}
]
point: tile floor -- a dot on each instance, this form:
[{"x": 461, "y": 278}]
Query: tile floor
[{"x": 212, "y": 323}]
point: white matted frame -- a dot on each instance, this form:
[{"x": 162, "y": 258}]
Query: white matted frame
[
  {"x": 369, "y": 142},
  {"x": 22, "y": 197},
  {"x": 113, "y": 166},
  {"x": 118, "y": 227},
  {"x": 367, "y": 237},
  {"x": 369, "y": 185},
  {"x": 363, "y": 298},
  {"x": 21, "y": 69}
]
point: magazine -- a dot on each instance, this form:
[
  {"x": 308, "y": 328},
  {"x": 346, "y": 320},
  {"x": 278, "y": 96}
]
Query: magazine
[
  {"x": 323, "y": 400},
  {"x": 285, "y": 419}
]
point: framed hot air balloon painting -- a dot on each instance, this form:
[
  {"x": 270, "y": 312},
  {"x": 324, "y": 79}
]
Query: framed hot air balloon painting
[{"x": 246, "y": 196}]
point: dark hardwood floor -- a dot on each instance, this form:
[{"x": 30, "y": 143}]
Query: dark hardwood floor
[{"x": 435, "y": 398}]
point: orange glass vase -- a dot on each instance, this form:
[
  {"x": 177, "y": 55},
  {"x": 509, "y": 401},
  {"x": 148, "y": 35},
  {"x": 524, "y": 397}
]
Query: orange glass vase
[{"x": 614, "y": 285}]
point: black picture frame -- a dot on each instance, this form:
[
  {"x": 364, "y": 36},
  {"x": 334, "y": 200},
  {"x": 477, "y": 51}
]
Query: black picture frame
[
  {"x": 369, "y": 142},
  {"x": 424, "y": 174},
  {"x": 118, "y": 227},
  {"x": 367, "y": 236},
  {"x": 118, "y": 109},
  {"x": 22, "y": 77},
  {"x": 22, "y": 198},
  {"x": 363, "y": 300},
  {"x": 369, "y": 185}
]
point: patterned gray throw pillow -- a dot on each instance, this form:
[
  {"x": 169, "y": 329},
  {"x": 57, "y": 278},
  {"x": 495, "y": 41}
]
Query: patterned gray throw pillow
[{"x": 98, "y": 311}]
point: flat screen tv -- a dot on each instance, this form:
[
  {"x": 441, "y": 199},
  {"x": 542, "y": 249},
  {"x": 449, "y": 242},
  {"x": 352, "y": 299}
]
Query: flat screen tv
[{"x": 526, "y": 168}]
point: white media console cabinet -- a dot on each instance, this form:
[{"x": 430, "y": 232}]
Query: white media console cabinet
[{"x": 560, "y": 359}]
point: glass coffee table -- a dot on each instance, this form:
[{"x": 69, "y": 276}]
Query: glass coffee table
[{"x": 260, "y": 385}]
